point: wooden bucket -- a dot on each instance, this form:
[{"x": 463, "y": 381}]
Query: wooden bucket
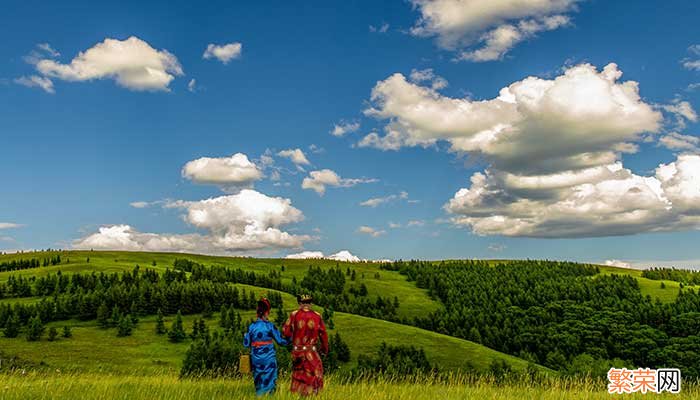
[{"x": 244, "y": 364}]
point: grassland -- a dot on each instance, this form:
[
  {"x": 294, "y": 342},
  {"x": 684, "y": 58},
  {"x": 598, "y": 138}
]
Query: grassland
[{"x": 62, "y": 386}]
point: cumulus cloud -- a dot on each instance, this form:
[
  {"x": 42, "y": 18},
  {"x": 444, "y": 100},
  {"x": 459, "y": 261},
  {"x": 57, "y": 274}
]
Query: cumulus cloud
[
  {"x": 342, "y": 128},
  {"x": 132, "y": 63},
  {"x": 10, "y": 225},
  {"x": 244, "y": 222},
  {"x": 296, "y": 156},
  {"x": 539, "y": 125},
  {"x": 676, "y": 141},
  {"x": 618, "y": 263},
  {"x": 305, "y": 255},
  {"x": 368, "y": 230},
  {"x": 342, "y": 255},
  {"x": 376, "y": 201},
  {"x": 224, "y": 53},
  {"x": 44, "y": 84},
  {"x": 553, "y": 149},
  {"x": 493, "y": 26},
  {"x": 319, "y": 180},
  {"x": 230, "y": 173}
]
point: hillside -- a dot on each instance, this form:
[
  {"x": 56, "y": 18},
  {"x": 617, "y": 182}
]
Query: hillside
[{"x": 96, "y": 349}]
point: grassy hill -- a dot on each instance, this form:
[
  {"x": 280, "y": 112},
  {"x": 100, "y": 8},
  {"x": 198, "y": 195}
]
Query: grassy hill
[{"x": 95, "y": 349}]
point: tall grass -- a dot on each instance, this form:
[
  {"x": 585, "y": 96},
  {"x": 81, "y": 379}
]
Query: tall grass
[{"x": 89, "y": 386}]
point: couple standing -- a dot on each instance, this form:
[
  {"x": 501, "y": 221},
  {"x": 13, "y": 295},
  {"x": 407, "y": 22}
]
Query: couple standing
[{"x": 308, "y": 334}]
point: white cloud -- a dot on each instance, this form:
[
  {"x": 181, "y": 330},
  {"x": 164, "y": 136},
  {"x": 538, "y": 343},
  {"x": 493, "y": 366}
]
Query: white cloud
[
  {"x": 617, "y": 263},
  {"x": 231, "y": 173},
  {"x": 342, "y": 128},
  {"x": 223, "y": 53},
  {"x": 553, "y": 149},
  {"x": 689, "y": 63},
  {"x": 682, "y": 111},
  {"x": 9, "y": 225},
  {"x": 192, "y": 85},
  {"x": 532, "y": 125},
  {"x": 132, "y": 63},
  {"x": 368, "y": 230},
  {"x": 48, "y": 49},
  {"x": 36, "y": 81},
  {"x": 600, "y": 201},
  {"x": 344, "y": 255},
  {"x": 415, "y": 222},
  {"x": 676, "y": 141},
  {"x": 295, "y": 155},
  {"x": 305, "y": 255},
  {"x": 140, "y": 204},
  {"x": 376, "y": 201},
  {"x": 499, "y": 41},
  {"x": 383, "y": 28},
  {"x": 495, "y": 25},
  {"x": 428, "y": 75},
  {"x": 240, "y": 223},
  {"x": 318, "y": 180}
]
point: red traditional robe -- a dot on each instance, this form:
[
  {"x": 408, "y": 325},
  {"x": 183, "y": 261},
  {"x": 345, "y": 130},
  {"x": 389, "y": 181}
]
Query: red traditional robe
[{"x": 309, "y": 337}]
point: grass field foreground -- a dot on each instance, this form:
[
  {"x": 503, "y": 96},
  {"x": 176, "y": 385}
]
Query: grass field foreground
[{"x": 93, "y": 386}]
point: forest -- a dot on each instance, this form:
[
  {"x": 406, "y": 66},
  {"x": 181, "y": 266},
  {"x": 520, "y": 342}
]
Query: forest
[{"x": 563, "y": 315}]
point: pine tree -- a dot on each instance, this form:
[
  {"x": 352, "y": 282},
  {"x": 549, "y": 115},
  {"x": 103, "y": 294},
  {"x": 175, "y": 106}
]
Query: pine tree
[
  {"x": 177, "y": 332},
  {"x": 103, "y": 315},
  {"x": 116, "y": 317},
  {"x": 12, "y": 326},
  {"x": 341, "y": 348},
  {"x": 223, "y": 320},
  {"x": 160, "y": 324},
  {"x": 53, "y": 333},
  {"x": 353, "y": 276},
  {"x": 280, "y": 316},
  {"x": 207, "y": 312},
  {"x": 134, "y": 314},
  {"x": 67, "y": 332},
  {"x": 35, "y": 329},
  {"x": 125, "y": 326}
]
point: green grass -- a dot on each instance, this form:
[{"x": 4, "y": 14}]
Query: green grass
[
  {"x": 95, "y": 349},
  {"x": 61, "y": 386}
]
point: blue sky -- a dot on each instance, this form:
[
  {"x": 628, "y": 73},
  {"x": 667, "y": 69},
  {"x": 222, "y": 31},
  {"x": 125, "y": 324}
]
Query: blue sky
[{"x": 104, "y": 134}]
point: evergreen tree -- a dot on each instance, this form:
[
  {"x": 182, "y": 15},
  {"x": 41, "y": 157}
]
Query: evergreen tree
[
  {"x": 207, "y": 312},
  {"x": 53, "y": 333},
  {"x": 280, "y": 316},
  {"x": 12, "y": 326},
  {"x": 341, "y": 348},
  {"x": 177, "y": 331},
  {"x": 125, "y": 326},
  {"x": 67, "y": 332},
  {"x": 116, "y": 317},
  {"x": 134, "y": 313},
  {"x": 223, "y": 320},
  {"x": 160, "y": 324},
  {"x": 103, "y": 315},
  {"x": 35, "y": 329}
]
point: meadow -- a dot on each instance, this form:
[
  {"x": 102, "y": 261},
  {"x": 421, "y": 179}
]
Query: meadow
[{"x": 98, "y": 364}]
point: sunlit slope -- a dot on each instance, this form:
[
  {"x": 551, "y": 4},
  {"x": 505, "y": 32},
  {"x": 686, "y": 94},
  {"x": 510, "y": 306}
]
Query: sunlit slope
[{"x": 413, "y": 301}]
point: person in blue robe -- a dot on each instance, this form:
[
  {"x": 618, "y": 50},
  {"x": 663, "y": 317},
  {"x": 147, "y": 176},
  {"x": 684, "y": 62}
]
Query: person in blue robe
[{"x": 263, "y": 358}]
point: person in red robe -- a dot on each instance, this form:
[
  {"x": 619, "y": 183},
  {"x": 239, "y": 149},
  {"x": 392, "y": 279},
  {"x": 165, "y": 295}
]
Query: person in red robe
[{"x": 308, "y": 334}]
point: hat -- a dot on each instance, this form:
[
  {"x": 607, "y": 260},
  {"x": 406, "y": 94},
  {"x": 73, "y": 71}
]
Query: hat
[{"x": 305, "y": 298}]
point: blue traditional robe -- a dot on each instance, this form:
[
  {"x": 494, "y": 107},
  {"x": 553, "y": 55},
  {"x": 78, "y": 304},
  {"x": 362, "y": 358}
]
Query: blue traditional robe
[{"x": 262, "y": 354}]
